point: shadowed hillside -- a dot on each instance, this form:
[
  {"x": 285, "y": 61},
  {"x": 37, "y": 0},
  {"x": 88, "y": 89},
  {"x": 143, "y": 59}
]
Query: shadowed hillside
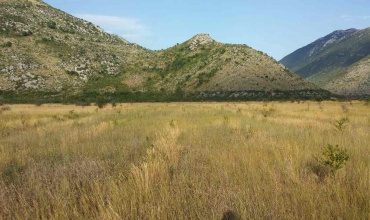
[{"x": 337, "y": 62}]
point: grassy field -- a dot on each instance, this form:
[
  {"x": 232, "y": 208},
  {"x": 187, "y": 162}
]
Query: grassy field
[{"x": 250, "y": 160}]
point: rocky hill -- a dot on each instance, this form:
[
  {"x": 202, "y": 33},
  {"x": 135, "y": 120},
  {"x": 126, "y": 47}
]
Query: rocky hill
[
  {"x": 48, "y": 54},
  {"x": 338, "y": 62}
]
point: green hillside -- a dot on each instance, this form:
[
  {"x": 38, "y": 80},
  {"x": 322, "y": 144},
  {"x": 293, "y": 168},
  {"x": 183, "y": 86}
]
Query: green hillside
[{"x": 49, "y": 55}]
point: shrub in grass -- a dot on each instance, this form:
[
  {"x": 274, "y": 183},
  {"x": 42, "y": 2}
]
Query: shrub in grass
[
  {"x": 12, "y": 171},
  {"x": 230, "y": 215},
  {"x": 341, "y": 123},
  {"x": 334, "y": 158}
]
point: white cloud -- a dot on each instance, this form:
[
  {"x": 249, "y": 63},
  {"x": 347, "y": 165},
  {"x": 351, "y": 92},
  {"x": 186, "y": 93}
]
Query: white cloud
[
  {"x": 347, "y": 17},
  {"x": 355, "y": 17},
  {"x": 129, "y": 28}
]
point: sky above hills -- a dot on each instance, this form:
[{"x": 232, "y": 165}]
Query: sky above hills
[{"x": 274, "y": 27}]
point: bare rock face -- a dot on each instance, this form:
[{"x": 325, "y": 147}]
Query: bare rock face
[
  {"x": 199, "y": 40},
  {"x": 37, "y": 2}
]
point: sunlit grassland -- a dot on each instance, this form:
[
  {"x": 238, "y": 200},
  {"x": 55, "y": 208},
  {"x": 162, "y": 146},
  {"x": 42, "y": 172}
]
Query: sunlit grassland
[{"x": 183, "y": 161}]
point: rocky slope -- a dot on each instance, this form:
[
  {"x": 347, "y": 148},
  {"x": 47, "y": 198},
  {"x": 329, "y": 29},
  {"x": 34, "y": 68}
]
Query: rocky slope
[
  {"x": 46, "y": 51},
  {"x": 337, "y": 62},
  {"x": 354, "y": 81}
]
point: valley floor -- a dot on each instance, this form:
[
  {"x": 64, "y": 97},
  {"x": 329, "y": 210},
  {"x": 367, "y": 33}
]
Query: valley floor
[{"x": 252, "y": 160}]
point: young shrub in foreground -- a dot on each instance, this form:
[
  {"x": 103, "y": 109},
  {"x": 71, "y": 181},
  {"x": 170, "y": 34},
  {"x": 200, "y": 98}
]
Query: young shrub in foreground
[
  {"x": 333, "y": 157},
  {"x": 341, "y": 123}
]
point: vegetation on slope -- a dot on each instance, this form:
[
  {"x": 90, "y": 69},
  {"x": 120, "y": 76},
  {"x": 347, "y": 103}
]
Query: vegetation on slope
[
  {"x": 354, "y": 80},
  {"x": 52, "y": 55}
]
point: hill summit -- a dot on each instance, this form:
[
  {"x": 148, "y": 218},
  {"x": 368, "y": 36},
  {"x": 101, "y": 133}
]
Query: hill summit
[{"x": 199, "y": 40}]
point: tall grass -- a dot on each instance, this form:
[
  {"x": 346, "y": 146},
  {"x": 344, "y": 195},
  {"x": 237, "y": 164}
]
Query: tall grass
[{"x": 182, "y": 161}]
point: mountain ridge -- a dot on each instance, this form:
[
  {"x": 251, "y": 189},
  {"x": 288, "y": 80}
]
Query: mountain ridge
[{"x": 329, "y": 59}]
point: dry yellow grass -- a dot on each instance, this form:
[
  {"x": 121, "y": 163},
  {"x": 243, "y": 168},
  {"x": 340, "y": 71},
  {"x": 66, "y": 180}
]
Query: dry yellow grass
[{"x": 182, "y": 161}]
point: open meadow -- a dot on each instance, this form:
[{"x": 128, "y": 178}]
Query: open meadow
[{"x": 245, "y": 160}]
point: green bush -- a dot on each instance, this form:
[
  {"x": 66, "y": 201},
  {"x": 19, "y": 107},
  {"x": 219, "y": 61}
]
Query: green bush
[
  {"x": 52, "y": 25},
  {"x": 71, "y": 72},
  {"x": 27, "y": 33},
  {"x": 8, "y": 44},
  {"x": 101, "y": 102},
  {"x": 333, "y": 157},
  {"x": 341, "y": 123},
  {"x": 205, "y": 77}
]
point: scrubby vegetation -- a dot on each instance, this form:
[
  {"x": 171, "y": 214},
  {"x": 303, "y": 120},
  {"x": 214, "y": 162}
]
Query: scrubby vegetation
[
  {"x": 184, "y": 161},
  {"x": 333, "y": 157}
]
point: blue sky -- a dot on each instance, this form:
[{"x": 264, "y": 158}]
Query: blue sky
[{"x": 274, "y": 27}]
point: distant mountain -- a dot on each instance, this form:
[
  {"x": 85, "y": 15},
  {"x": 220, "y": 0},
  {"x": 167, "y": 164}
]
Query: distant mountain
[
  {"x": 338, "y": 62},
  {"x": 48, "y": 54}
]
